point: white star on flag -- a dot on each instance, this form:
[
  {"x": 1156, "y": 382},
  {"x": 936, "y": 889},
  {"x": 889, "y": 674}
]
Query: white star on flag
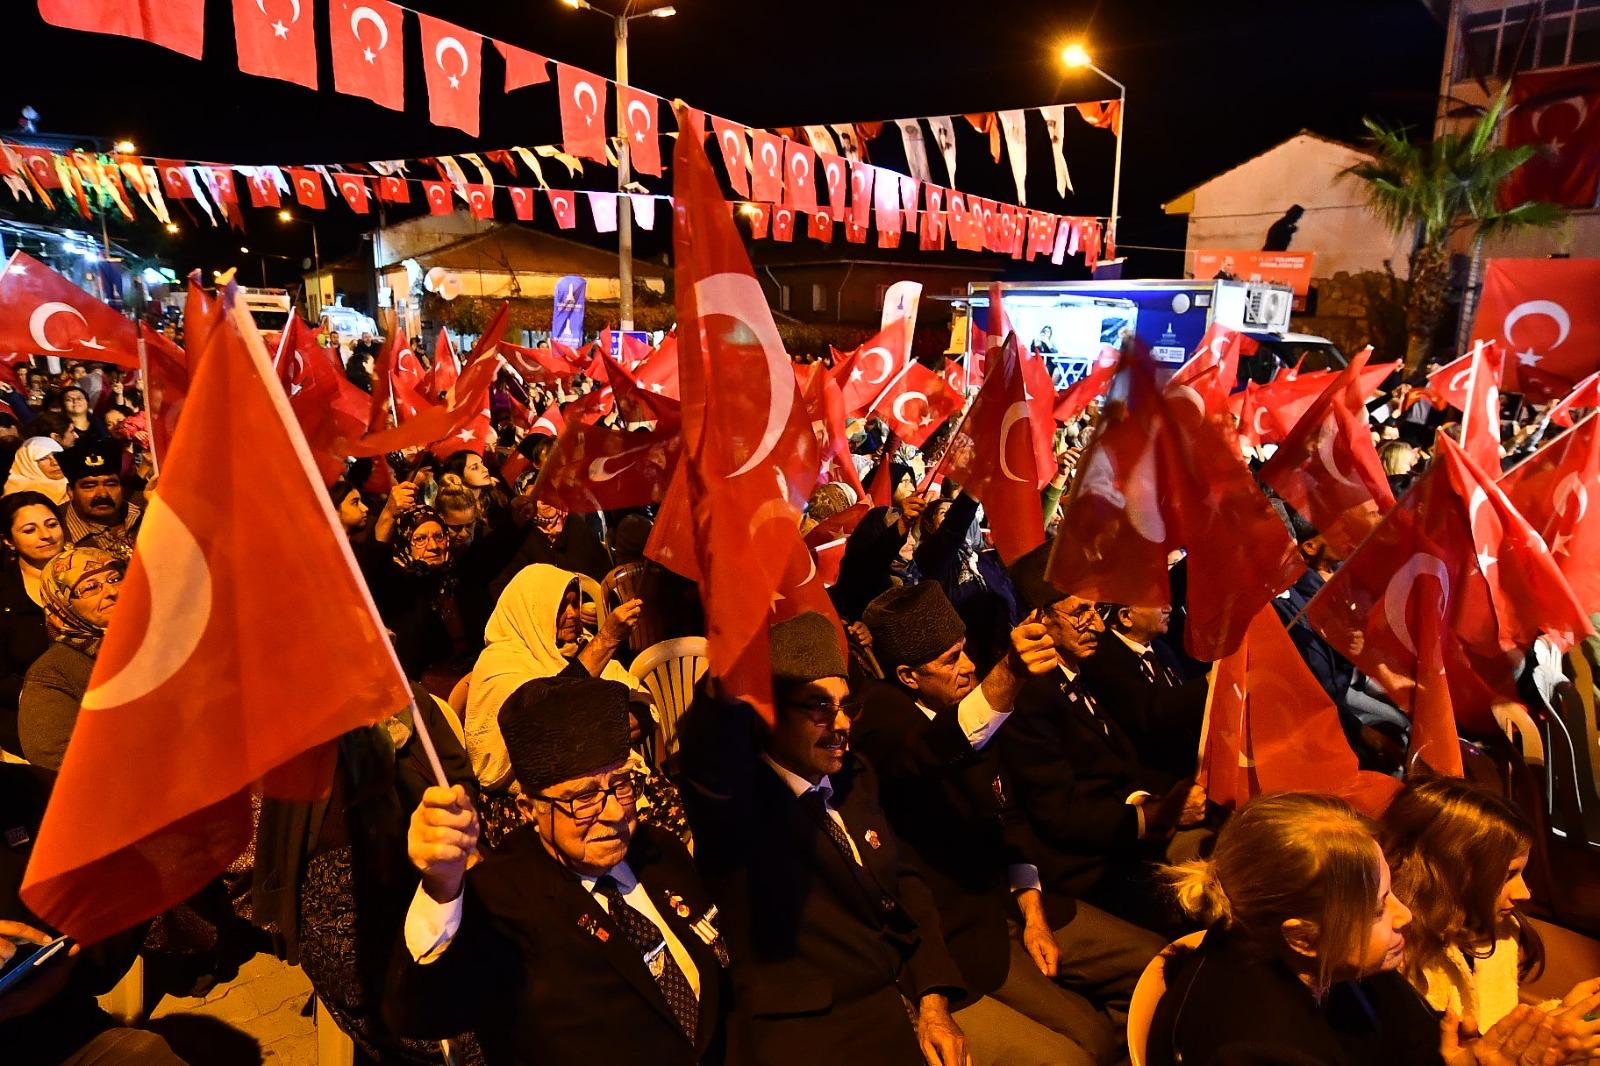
[{"x": 280, "y": 30}]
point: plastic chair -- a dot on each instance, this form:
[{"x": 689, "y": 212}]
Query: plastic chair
[
  {"x": 669, "y": 671},
  {"x": 334, "y": 1046},
  {"x": 1148, "y": 992}
]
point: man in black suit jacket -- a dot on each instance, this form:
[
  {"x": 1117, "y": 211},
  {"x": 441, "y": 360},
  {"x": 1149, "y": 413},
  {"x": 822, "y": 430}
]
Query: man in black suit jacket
[
  {"x": 1098, "y": 811},
  {"x": 834, "y": 936},
  {"x": 928, "y": 727},
  {"x": 1134, "y": 677},
  {"x": 585, "y": 937}
]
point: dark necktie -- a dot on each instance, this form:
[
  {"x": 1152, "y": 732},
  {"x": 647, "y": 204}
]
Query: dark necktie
[
  {"x": 817, "y": 803},
  {"x": 1147, "y": 666},
  {"x": 651, "y": 943}
]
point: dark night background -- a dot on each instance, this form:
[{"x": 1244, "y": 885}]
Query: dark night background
[{"x": 1209, "y": 84}]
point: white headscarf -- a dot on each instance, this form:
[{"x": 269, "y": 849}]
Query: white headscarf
[
  {"x": 519, "y": 646},
  {"x": 28, "y": 476}
]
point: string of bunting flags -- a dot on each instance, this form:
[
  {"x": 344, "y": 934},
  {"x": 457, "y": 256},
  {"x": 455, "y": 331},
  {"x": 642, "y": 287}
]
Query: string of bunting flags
[{"x": 775, "y": 173}]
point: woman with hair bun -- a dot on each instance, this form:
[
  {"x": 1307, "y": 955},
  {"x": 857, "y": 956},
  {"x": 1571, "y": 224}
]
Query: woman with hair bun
[{"x": 1300, "y": 963}]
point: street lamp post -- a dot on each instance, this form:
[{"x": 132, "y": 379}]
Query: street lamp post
[
  {"x": 316, "y": 259},
  {"x": 1076, "y": 56},
  {"x": 624, "y": 164}
]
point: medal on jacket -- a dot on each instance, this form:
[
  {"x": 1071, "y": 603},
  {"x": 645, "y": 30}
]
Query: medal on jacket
[
  {"x": 706, "y": 929},
  {"x": 591, "y": 925},
  {"x": 873, "y": 840}
]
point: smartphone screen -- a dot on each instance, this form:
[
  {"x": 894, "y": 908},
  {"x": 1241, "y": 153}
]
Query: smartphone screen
[{"x": 27, "y": 960}]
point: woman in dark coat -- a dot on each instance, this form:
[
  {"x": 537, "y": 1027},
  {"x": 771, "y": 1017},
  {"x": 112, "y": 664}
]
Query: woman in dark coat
[
  {"x": 416, "y": 595},
  {"x": 79, "y": 588},
  {"x": 33, "y": 534}
]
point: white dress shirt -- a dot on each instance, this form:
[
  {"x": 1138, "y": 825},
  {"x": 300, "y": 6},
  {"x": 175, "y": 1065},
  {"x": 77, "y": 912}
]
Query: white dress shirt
[
  {"x": 800, "y": 786},
  {"x": 431, "y": 926}
]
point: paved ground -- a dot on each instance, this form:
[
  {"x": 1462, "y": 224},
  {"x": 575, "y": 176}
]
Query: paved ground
[{"x": 256, "y": 1018}]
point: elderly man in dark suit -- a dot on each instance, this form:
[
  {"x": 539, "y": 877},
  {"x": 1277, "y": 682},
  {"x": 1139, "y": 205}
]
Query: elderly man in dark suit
[
  {"x": 838, "y": 954},
  {"x": 586, "y": 937},
  {"x": 1135, "y": 678}
]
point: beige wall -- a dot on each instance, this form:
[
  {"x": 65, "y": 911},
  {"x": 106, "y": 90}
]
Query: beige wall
[{"x": 1235, "y": 209}]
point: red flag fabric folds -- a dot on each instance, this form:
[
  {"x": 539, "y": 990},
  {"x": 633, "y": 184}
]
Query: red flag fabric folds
[
  {"x": 1076, "y": 398},
  {"x": 523, "y": 68},
  {"x": 917, "y": 404},
  {"x": 1553, "y": 489},
  {"x": 450, "y": 59},
  {"x": 175, "y": 24},
  {"x": 583, "y": 112},
  {"x": 166, "y": 386},
  {"x": 276, "y": 39},
  {"x": 467, "y": 402},
  {"x": 44, "y": 313},
  {"x": 641, "y": 126},
  {"x": 592, "y": 468},
  {"x": 1557, "y": 111},
  {"x": 189, "y": 688},
  {"x": 368, "y": 57},
  {"x": 1542, "y": 314}
]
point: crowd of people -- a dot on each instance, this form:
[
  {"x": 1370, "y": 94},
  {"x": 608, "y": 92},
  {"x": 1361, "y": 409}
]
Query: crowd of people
[{"x": 966, "y": 833}]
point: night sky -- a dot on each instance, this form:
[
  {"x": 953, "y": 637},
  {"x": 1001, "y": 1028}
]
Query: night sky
[{"x": 1209, "y": 84}]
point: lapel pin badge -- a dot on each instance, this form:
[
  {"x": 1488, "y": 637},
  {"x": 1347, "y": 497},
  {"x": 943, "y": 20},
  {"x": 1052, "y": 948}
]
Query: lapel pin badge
[{"x": 873, "y": 840}]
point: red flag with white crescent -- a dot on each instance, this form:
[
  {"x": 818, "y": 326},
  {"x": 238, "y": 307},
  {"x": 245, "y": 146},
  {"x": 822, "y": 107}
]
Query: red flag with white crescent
[
  {"x": 277, "y": 39},
  {"x": 44, "y": 313},
  {"x": 1439, "y": 597},
  {"x": 766, "y": 158},
  {"x": 353, "y": 187},
  {"x": 1541, "y": 313},
  {"x": 800, "y": 177},
  {"x": 641, "y": 125},
  {"x": 583, "y": 112},
  {"x": 445, "y": 370},
  {"x": 1480, "y": 408},
  {"x": 453, "y": 67},
  {"x": 874, "y": 366},
  {"x": 1584, "y": 396},
  {"x": 188, "y": 688},
  {"x": 437, "y": 193},
  {"x": 549, "y": 423},
  {"x": 1555, "y": 488},
  {"x": 1075, "y": 399},
  {"x": 917, "y": 404},
  {"x": 175, "y": 24},
  {"x": 735, "y": 153},
  {"x": 331, "y": 410},
  {"x": 307, "y": 186},
  {"x": 593, "y": 468},
  {"x": 466, "y": 403},
  {"x": 745, "y": 487},
  {"x": 836, "y": 174},
  {"x": 368, "y": 57},
  {"x": 825, "y": 407}
]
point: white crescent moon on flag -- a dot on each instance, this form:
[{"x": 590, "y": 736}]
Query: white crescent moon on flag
[
  {"x": 1549, "y": 309},
  {"x": 308, "y": 185},
  {"x": 799, "y": 166},
  {"x": 180, "y": 610},
  {"x": 1577, "y": 102},
  {"x": 768, "y": 148},
  {"x": 40, "y": 320},
  {"x": 1572, "y": 485},
  {"x": 888, "y": 361},
  {"x": 901, "y": 416},
  {"x": 599, "y": 470},
  {"x": 261, "y": 6},
  {"x": 1325, "y": 457},
  {"x": 1188, "y": 395},
  {"x": 578, "y": 92},
  {"x": 1014, "y": 413},
  {"x": 646, "y": 124},
  {"x": 1255, "y": 420},
  {"x": 1397, "y": 596},
  {"x": 366, "y": 14},
  {"x": 450, "y": 44},
  {"x": 729, "y": 294},
  {"x": 1144, "y": 508},
  {"x": 1458, "y": 380}
]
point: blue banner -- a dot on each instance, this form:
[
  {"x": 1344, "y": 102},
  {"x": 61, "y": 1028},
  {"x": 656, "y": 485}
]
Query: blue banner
[{"x": 566, "y": 324}]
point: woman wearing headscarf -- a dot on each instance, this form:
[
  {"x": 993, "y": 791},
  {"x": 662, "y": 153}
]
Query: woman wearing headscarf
[
  {"x": 32, "y": 532},
  {"x": 416, "y": 593},
  {"x": 36, "y": 469},
  {"x": 79, "y": 589},
  {"x": 536, "y": 631}
]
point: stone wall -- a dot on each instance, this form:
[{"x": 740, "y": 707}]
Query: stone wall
[{"x": 1354, "y": 310}]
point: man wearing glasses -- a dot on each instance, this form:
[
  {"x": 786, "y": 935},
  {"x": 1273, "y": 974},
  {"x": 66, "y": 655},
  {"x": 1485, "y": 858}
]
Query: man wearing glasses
[
  {"x": 586, "y": 937},
  {"x": 837, "y": 953},
  {"x": 1099, "y": 812}
]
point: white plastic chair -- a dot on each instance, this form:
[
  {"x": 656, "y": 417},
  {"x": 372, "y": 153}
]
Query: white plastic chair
[
  {"x": 1148, "y": 992},
  {"x": 669, "y": 671}
]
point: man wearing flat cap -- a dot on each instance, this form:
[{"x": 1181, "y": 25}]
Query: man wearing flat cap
[
  {"x": 837, "y": 953},
  {"x": 586, "y": 937},
  {"x": 96, "y": 514},
  {"x": 1099, "y": 811},
  {"x": 927, "y": 726}
]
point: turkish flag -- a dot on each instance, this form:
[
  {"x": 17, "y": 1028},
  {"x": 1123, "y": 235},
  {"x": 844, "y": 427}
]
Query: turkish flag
[
  {"x": 166, "y": 386},
  {"x": 1218, "y": 350},
  {"x": 749, "y": 457},
  {"x": 563, "y": 206},
  {"x": 263, "y": 190},
  {"x": 44, "y": 313},
  {"x": 1282, "y": 401},
  {"x": 583, "y": 112},
  {"x": 523, "y": 68},
  {"x": 1437, "y": 599},
  {"x": 393, "y": 190},
  {"x": 825, "y": 408},
  {"x": 1558, "y": 112},
  {"x": 1543, "y": 315},
  {"x": 659, "y": 371},
  {"x": 549, "y": 423},
  {"x": 450, "y": 59},
  {"x": 189, "y": 688},
  {"x": 820, "y": 227},
  {"x": 735, "y": 153},
  {"x": 637, "y": 403},
  {"x": 641, "y": 126},
  {"x": 805, "y": 588},
  {"x": 917, "y": 404},
  {"x": 394, "y": 398},
  {"x": 592, "y": 468},
  {"x": 438, "y": 197},
  {"x": 800, "y": 177},
  {"x": 368, "y": 59},
  {"x": 445, "y": 370},
  {"x": 521, "y": 201},
  {"x": 222, "y": 186},
  {"x": 307, "y": 187},
  {"x": 1270, "y": 727},
  {"x": 1553, "y": 489},
  {"x": 1447, "y": 386},
  {"x": 1327, "y": 468},
  {"x": 760, "y": 219},
  {"x": 873, "y": 366},
  {"x": 276, "y": 39},
  {"x": 538, "y": 366},
  {"x": 1586, "y": 394},
  {"x": 933, "y": 221},
  {"x": 835, "y": 173},
  {"x": 331, "y": 410},
  {"x": 767, "y": 160},
  {"x": 783, "y": 223},
  {"x": 175, "y": 24},
  {"x": 1075, "y": 399},
  {"x": 353, "y": 187},
  {"x": 1159, "y": 477},
  {"x": 1480, "y": 412},
  {"x": 995, "y": 463},
  {"x": 174, "y": 179},
  {"x": 886, "y": 204},
  {"x": 480, "y": 200},
  {"x": 467, "y": 402}
]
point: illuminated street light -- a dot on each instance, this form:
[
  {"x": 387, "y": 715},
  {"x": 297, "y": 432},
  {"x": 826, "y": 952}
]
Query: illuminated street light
[
  {"x": 124, "y": 147},
  {"x": 172, "y": 227},
  {"x": 1075, "y": 55}
]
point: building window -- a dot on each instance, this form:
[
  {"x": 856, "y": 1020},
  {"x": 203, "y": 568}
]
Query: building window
[
  {"x": 819, "y": 298},
  {"x": 1522, "y": 37},
  {"x": 783, "y": 297}
]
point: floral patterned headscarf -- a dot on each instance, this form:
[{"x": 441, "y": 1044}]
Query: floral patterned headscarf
[
  {"x": 404, "y": 527},
  {"x": 65, "y": 573}
]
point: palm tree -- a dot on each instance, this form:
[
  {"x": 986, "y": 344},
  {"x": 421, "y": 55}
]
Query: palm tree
[{"x": 1435, "y": 190}]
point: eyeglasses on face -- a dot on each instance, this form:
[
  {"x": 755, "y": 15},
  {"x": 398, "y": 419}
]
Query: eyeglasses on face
[
  {"x": 93, "y": 586},
  {"x": 824, "y": 711},
  {"x": 419, "y": 540},
  {"x": 587, "y": 805},
  {"x": 1082, "y": 617}
]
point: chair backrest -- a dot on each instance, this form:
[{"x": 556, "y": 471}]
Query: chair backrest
[
  {"x": 1519, "y": 728},
  {"x": 1148, "y": 992},
  {"x": 669, "y": 671}
]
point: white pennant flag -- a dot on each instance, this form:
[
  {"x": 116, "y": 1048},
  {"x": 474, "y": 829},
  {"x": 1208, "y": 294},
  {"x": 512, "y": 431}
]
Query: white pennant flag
[
  {"x": 849, "y": 146},
  {"x": 604, "y": 207},
  {"x": 821, "y": 140},
  {"x": 1014, "y": 123},
  {"x": 644, "y": 210},
  {"x": 532, "y": 163},
  {"x": 199, "y": 196},
  {"x": 902, "y": 301},
  {"x": 1053, "y": 116},
  {"x": 944, "y": 135},
  {"x": 916, "y": 148}
]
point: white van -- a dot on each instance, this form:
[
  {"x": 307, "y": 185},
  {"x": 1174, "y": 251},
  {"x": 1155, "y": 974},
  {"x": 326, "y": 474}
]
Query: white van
[{"x": 269, "y": 307}]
